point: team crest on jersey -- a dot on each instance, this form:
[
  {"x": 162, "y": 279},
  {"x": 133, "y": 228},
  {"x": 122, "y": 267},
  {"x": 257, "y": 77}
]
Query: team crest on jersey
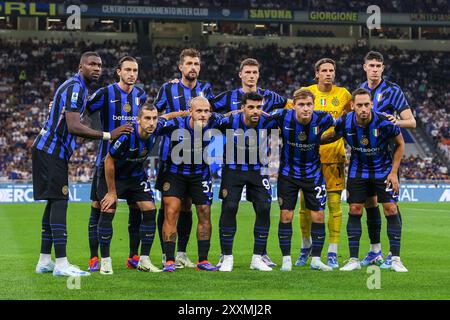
[
  {"x": 224, "y": 193},
  {"x": 323, "y": 102},
  {"x": 74, "y": 97},
  {"x": 376, "y": 132},
  {"x": 65, "y": 190},
  {"x": 166, "y": 186},
  {"x": 364, "y": 141},
  {"x": 379, "y": 97},
  {"x": 302, "y": 136},
  {"x": 127, "y": 107},
  {"x": 335, "y": 101}
]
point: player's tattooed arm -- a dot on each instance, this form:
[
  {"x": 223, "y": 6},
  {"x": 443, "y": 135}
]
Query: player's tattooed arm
[
  {"x": 392, "y": 178},
  {"x": 111, "y": 197}
]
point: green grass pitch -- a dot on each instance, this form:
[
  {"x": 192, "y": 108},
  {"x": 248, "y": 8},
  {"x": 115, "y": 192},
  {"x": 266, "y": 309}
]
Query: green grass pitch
[{"x": 425, "y": 252}]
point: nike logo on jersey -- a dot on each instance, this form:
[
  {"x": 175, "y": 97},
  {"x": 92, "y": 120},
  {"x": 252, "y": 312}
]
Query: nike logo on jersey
[
  {"x": 286, "y": 128},
  {"x": 321, "y": 238},
  {"x": 236, "y": 102},
  {"x": 351, "y": 134},
  {"x": 131, "y": 150},
  {"x": 113, "y": 101},
  {"x": 177, "y": 97}
]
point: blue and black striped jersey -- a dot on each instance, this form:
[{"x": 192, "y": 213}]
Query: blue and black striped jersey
[
  {"x": 246, "y": 149},
  {"x": 300, "y": 156},
  {"x": 231, "y": 100},
  {"x": 117, "y": 108},
  {"x": 175, "y": 96},
  {"x": 187, "y": 148},
  {"x": 55, "y": 138},
  {"x": 130, "y": 152},
  {"x": 370, "y": 155},
  {"x": 387, "y": 97}
]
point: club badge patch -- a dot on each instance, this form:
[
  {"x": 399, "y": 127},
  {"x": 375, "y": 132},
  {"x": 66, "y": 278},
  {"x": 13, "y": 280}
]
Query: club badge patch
[{"x": 166, "y": 186}]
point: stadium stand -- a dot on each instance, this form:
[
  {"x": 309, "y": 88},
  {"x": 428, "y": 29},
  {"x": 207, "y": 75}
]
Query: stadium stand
[
  {"x": 31, "y": 70},
  {"x": 397, "y": 6}
]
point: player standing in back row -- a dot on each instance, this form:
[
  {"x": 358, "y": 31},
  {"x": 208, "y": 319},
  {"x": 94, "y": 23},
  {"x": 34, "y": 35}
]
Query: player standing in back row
[
  {"x": 51, "y": 152},
  {"x": 174, "y": 96},
  {"x": 117, "y": 104},
  {"x": 387, "y": 98},
  {"x": 231, "y": 100}
]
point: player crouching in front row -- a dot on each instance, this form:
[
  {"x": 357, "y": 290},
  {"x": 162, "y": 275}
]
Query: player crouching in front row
[
  {"x": 372, "y": 171},
  {"x": 122, "y": 175}
]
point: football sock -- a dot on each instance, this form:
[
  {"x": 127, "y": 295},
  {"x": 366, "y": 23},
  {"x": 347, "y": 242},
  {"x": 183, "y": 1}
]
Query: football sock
[
  {"x": 261, "y": 227},
  {"x": 354, "y": 234},
  {"x": 160, "y": 222},
  {"x": 227, "y": 226},
  {"x": 394, "y": 231},
  {"x": 134, "y": 221},
  {"x": 285, "y": 237},
  {"x": 169, "y": 250},
  {"x": 318, "y": 238},
  {"x": 184, "y": 226},
  {"x": 58, "y": 214},
  {"x": 203, "y": 249},
  {"x": 46, "y": 233},
  {"x": 105, "y": 233},
  {"x": 147, "y": 231},
  {"x": 374, "y": 224},
  {"x": 92, "y": 231}
]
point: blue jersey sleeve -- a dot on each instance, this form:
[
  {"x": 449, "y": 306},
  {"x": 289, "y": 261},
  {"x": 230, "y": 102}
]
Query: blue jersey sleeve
[
  {"x": 74, "y": 96},
  {"x": 161, "y": 99},
  {"x": 159, "y": 127},
  {"x": 208, "y": 92},
  {"x": 391, "y": 130},
  {"x": 96, "y": 101},
  {"x": 119, "y": 148},
  {"x": 274, "y": 101},
  {"x": 339, "y": 126},
  {"x": 399, "y": 101},
  {"x": 142, "y": 98},
  {"x": 327, "y": 122},
  {"x": 219, "y": 103}
]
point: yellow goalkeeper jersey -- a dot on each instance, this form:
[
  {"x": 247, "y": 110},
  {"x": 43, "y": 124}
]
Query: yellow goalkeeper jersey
[{"x": 335, "y": 103}]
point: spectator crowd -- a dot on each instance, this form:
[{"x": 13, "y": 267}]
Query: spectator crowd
[{"x": 32, "y": 70}]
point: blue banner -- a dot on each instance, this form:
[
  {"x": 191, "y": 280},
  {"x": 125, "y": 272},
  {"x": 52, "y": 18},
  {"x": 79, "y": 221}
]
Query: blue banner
[
  {"x": 135, "y": 12},
  {"x": 23, "y": 193}
]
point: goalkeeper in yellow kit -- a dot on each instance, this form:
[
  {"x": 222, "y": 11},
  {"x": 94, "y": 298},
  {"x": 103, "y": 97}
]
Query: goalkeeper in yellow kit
[{"x": 336, "y": 101}]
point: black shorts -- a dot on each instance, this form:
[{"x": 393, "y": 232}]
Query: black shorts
[
  {"x": 50, "y": 176},
  {"x": 131, "y": 189},
  {"x": 94, "y": 185},
  {"x": 197, "y": 186},
  {"x": 358, "y": 190},
  {"x": 314, "y": 191},
  {"x": 257, "y": 186}
]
